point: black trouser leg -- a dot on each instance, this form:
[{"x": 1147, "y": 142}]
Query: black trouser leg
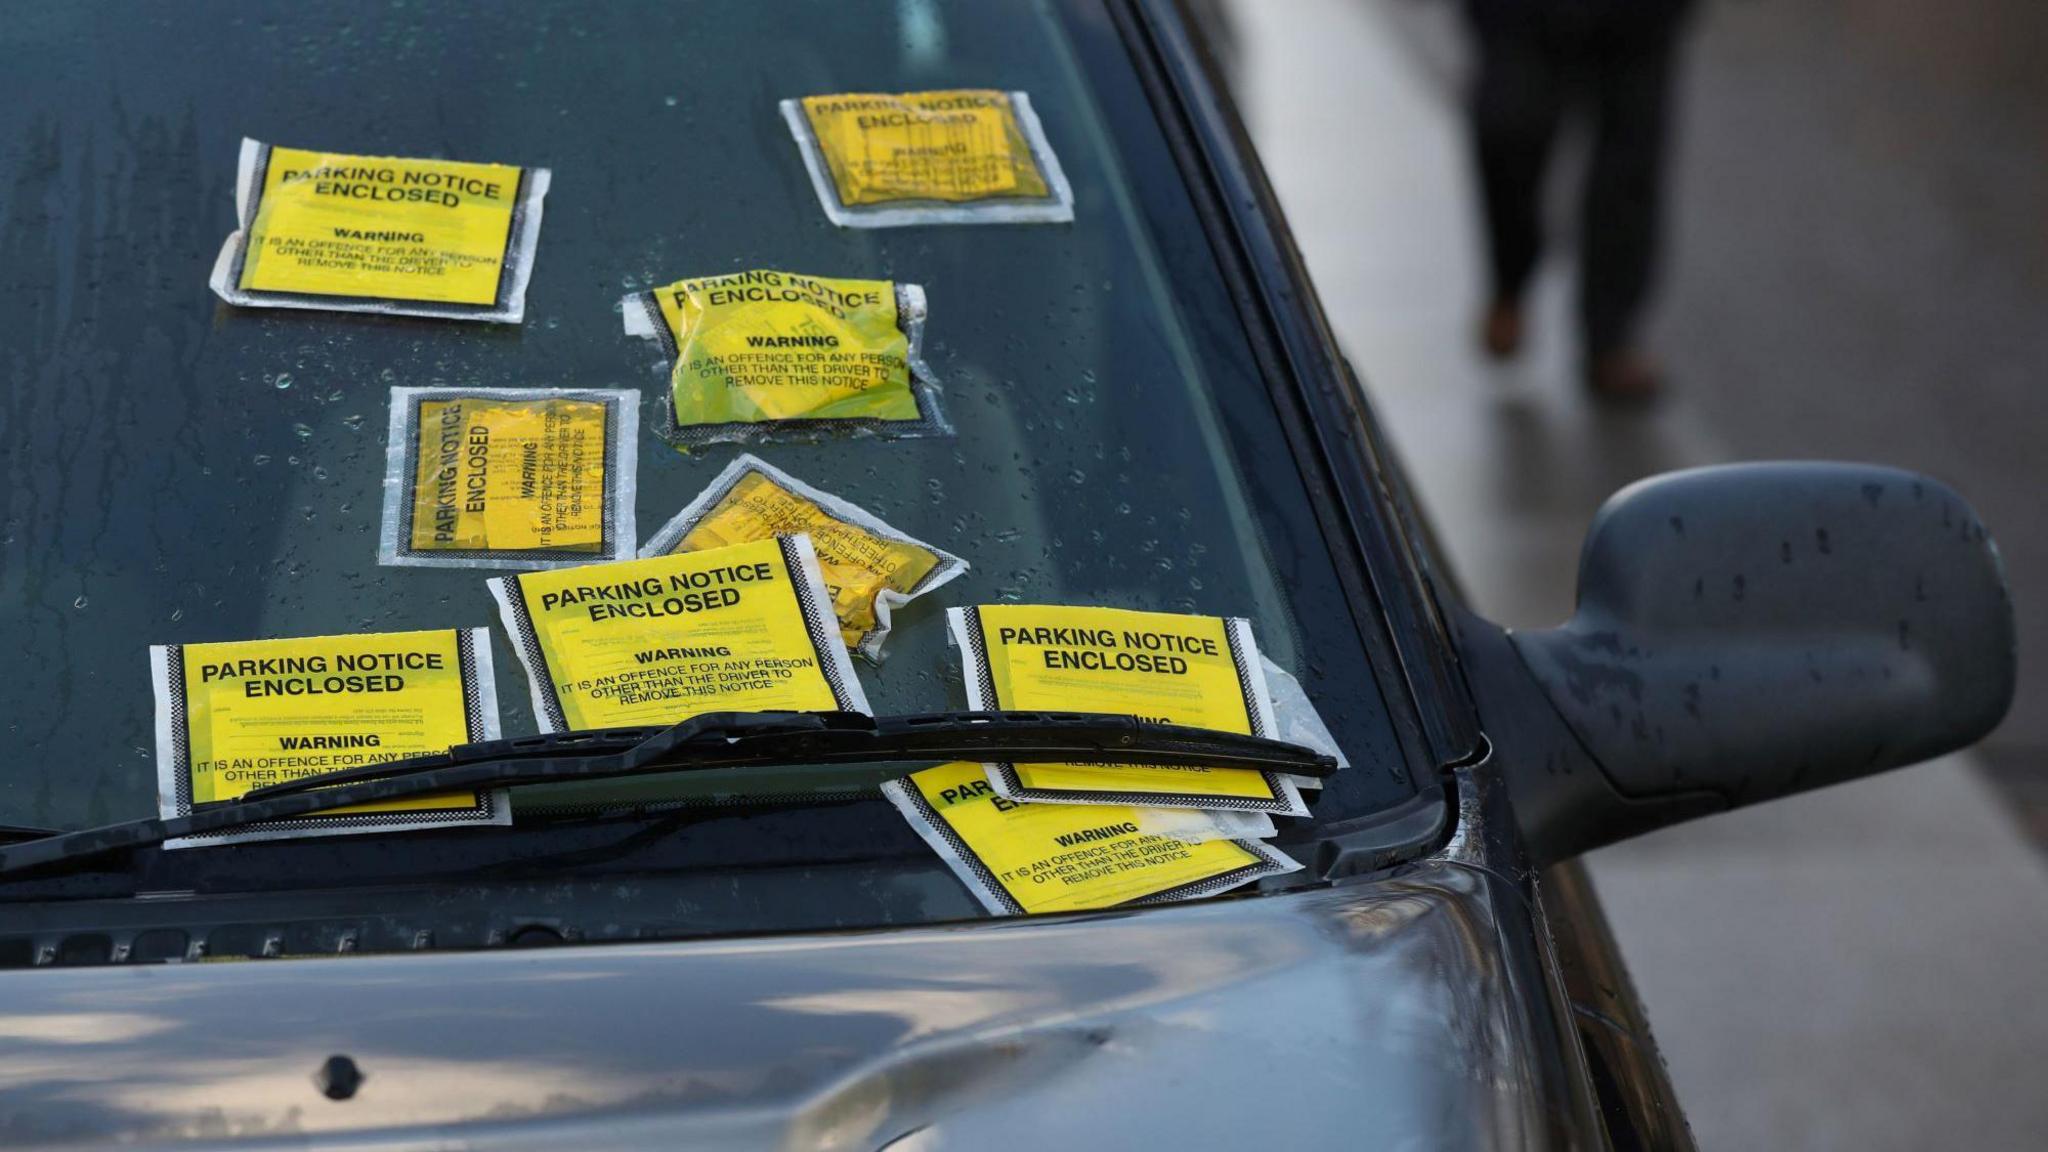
[
  {"x": 1629, "y": 74},
  {"x": 1515, "y": 110}
]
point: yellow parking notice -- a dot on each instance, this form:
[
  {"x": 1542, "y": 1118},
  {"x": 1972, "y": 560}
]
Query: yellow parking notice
[
  {"x": 956, "y": 156},
  {"x": 869, "y": 568},
  {"x": 381, "y": 233},
  {"x": 740, "y": 629},
  {"x": 1029, "y": 858},
  {"x": 509, "y": 477},
  {"x": 1201, "y": 671},
  {"x": 957, "y": 145},
  {"x": 235, "y": 716},
  {"x": 767, "y": 354}
]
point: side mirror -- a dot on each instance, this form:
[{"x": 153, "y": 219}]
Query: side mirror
[{"x": 1754, "y": 630}]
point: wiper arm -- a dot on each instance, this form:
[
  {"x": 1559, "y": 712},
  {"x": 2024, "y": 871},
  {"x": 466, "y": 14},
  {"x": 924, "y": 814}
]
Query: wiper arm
[{"x": 703, "y": 743}]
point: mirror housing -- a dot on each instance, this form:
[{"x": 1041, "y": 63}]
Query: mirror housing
[{"x": 1749, "y": 631}]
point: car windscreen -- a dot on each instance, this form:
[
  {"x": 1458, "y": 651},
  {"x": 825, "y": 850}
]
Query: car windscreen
[{"x": 181, "y": 471}]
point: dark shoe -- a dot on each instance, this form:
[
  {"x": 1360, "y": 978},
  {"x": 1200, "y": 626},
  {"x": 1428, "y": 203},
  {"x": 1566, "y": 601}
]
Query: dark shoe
[
  {"x": 1624, "y": 376},
  {"x": 1501, "y": 334}
]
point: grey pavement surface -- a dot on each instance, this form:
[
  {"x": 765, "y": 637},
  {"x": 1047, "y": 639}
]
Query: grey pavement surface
[{"x": 1860, "y": 270}]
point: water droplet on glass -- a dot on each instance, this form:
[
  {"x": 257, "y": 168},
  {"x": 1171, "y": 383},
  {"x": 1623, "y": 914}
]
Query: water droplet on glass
[
  {"x": 353, "y": 422},
  {"x": 303, "y": 431},
  {"x": 78, "y": 603},
  {"x": 669, "y": 100},
  {"x": 284, "y": 380},
  {"x": 261, "y": 459},
  {"x": 177, "y": 614}
]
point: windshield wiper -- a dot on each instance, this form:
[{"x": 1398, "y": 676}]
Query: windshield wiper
[
  {"x": 703, "y": 743},
  {"x": 16, "y": 833}
]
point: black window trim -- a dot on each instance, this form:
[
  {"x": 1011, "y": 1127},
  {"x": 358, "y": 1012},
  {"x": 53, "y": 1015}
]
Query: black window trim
[{"x": 1324, "y": 411}]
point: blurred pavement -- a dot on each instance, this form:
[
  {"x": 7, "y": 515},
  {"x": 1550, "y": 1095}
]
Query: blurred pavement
[{"x": 1860, "y": 270}]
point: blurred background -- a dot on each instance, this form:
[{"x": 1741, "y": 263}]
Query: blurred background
[{"x": 1855, "y": 267}]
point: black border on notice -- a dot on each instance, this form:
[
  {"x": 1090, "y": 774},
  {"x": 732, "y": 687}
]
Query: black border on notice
[
  {"x": 821, "y": 624},
  {"x": 536, "y": 657}
]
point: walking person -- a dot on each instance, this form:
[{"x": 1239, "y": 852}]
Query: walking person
[{"x": 1612, "y": 60}]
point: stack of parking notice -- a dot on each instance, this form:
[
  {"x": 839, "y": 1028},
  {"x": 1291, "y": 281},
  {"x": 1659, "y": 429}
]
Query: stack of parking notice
[{"x": 1066, "y": 837}]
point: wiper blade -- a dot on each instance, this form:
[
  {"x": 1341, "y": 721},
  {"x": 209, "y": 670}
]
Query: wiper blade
[
  {"x": 16, "y": 833},
  {"x": 716, "y": 740}
]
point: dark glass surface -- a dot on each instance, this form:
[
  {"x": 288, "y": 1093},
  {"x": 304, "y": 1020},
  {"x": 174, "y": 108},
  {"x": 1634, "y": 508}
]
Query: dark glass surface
[{"x": 178, "y": 470}]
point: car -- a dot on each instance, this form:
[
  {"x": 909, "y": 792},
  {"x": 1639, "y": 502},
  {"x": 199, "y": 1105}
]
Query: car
[{"x": 722, "y": 934}]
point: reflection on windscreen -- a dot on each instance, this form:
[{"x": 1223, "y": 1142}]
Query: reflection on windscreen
[{"x": 182, "y": 471}]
